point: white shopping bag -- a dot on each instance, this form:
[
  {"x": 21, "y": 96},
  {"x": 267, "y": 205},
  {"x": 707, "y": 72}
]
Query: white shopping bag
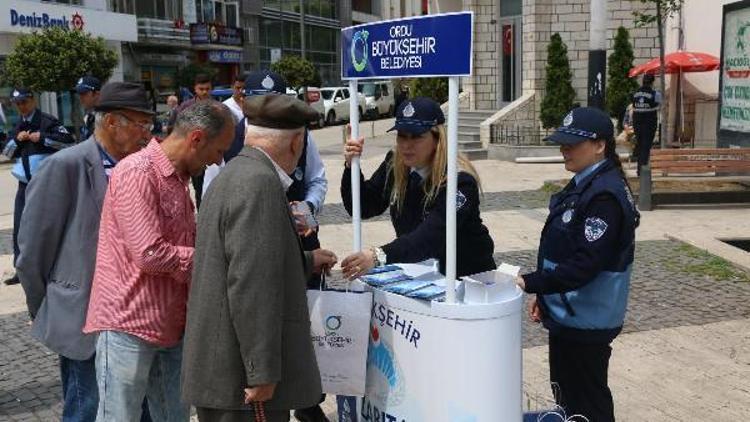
[{"x": 340, "y": 326}]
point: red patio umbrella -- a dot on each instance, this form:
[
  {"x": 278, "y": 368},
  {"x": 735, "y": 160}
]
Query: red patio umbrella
[{"x": 679, "y": 61}]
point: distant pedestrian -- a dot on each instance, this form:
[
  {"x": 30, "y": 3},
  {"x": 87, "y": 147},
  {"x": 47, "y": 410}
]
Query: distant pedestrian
[
  {"x": 646, "y": 104},
  {"x": 238, "y": 96},
  {"x": 88, "y": 89},
  {"x": 202, "y": 88},
  {"x": 36, "y": 136},
  {"x": 144, "y": 265},
  {"x": 585, "y": 260},
  {"x": 58, "y": 239}
]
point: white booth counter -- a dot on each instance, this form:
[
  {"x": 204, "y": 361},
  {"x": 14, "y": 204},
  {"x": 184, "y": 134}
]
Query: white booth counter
[{"x": 436, "y": 361}]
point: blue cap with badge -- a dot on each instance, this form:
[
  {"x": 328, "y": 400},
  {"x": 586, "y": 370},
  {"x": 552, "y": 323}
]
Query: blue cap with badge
[
  {"x": 583, "y": 124},
  {"x": 418, "y": 115},
  {"x": 20, "y": 94},
  {"x": 265, "y": 82},
  {"x": 88, "y": 84}
]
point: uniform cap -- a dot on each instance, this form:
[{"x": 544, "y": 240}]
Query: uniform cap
[
  {"x": 88, "y": 84},
  {"x": 124, "y": 96},
  {"x": 278, "y": 111},
  {"x": 264, "y": 82},
  {"x": 418, "y": 115},
  {"x": 21, "y": 93},
  {"x": 583, "y": 124}
]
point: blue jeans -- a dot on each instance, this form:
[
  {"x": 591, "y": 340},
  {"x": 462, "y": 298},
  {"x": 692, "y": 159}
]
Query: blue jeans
[
  {"x": 129, "y": 369},
  {"x": 80, "y": 394}
]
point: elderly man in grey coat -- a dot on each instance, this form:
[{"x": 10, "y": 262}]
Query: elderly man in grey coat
[
  {"x": 247, "y": 351},
  {"x": 58, "y": 238}
]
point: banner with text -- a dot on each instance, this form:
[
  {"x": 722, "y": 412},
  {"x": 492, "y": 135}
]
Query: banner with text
[
  {"x": 433, "y": 45},
  {"x": 735, "y": 95}
]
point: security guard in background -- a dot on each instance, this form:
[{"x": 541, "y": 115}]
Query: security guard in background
[
  {"x": 646, "y": 103},
  {"x": 88, "y": 88},
  {"x": 584, "y": 264},
  {"x": 412, "y": 182},
  {"x": 35, "y": 137}
]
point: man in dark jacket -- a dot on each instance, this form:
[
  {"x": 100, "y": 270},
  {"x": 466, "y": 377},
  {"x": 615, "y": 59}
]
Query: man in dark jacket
[{"x": 36, "y": 136}]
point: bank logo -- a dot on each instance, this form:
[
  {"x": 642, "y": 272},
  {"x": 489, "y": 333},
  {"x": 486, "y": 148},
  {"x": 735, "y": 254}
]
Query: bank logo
[
  {"x": 360, "y": 37},
  {"x": 385, "y": 379},
  {"x": 333, "y": 323},
  {"x": 77, "y": 22}
]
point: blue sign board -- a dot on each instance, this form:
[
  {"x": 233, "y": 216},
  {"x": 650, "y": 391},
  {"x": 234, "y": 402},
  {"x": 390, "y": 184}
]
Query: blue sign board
[
  {"x": 433, "y": 45},
  {"x": 225, "y": 56}
]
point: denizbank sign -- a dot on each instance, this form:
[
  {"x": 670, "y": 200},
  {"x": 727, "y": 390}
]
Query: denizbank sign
[
  {"x": 438, "y": 45},
  {"x": 21, "y": 16}
]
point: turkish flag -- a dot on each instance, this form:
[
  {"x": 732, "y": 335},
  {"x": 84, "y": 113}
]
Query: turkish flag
[{"x": 507, "y": 40}]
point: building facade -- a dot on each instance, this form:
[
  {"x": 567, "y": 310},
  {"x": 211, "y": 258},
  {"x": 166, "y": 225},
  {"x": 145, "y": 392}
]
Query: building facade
[{"x": 92, "y": 16}]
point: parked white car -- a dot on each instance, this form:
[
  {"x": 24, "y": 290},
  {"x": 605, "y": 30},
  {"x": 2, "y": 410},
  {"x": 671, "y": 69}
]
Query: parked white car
[
  {"x": 336, "y": 102},
  {"x": 379, "y": 99}
]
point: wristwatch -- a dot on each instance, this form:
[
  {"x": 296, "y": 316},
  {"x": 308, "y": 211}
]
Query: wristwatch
[{"x": 380, "y": 257}]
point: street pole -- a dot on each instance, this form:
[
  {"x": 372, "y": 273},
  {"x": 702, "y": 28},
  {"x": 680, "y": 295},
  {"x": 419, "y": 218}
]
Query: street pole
[
  {"x": 597, "y": 54},
  {"x": 662, "y": 78},
  {"x": 302, "y": 27}
]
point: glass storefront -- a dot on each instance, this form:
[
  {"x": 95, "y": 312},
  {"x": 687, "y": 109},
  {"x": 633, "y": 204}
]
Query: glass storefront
[{"x": 320, "y": 46}]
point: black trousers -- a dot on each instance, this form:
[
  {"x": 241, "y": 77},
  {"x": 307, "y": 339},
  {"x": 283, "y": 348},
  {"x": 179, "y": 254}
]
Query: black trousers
[
  {"x": 644, "y": 127},
  {"x": 18, "y": 207},
  {"x": 578, "y": 373}
]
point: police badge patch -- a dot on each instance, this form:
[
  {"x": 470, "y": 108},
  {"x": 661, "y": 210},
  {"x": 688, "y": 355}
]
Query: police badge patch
[
  {"x": 460, "y": 200},
  {"x": 594, "y": 228}
]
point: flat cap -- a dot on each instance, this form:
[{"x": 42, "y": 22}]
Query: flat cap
[
  {"x": 278, "y": 111},
  {"x": 124, "y": 96}
]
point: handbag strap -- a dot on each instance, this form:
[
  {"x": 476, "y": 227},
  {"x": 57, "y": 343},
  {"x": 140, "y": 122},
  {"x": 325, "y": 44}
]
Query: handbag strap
[{"x": 260, "y": 411}]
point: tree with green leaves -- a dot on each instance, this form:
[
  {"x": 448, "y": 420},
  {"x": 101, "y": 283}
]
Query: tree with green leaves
[
  {"x": 559, "y": 93},
  {"x": 435, "y": 88},
  {"x": 297, "y": 71},
  {"x": 663, "y": 10},
  {"x": 620, "y": 87},
  {"x": 186, "y": 75},
  {"x": 55, "y": 58}
]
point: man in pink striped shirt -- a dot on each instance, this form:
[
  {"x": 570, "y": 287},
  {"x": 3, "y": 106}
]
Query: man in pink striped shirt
[{"x": 143, "y": 267}]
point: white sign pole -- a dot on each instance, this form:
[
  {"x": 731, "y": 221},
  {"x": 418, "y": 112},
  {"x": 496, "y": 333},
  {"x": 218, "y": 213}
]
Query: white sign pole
[
  {"x": 450, "y": 201},
  {"x": 356, "y": 208}
]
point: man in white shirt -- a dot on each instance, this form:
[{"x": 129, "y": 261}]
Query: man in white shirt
[{"x": 238, "y": 96}]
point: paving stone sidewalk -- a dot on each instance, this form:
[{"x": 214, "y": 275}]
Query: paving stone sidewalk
[{"x": 666, "y": 291}]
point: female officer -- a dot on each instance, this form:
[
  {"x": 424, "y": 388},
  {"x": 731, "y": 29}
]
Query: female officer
[
  {"x": 584, "y": 264},
  {"x": 411, "y": 181}
]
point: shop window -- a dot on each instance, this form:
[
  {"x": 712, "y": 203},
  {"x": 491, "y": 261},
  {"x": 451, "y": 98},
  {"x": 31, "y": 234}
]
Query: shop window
[
  {"x": 156, "y": 9},
  {"x": 510, "y": 8}
]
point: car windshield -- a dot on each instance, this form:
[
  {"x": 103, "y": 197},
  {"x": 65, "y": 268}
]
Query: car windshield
[
  {"x": 367, "y": 89},
  {"x": 326, "y": 93}
]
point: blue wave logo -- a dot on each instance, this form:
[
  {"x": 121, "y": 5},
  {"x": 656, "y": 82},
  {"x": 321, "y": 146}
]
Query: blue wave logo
[{"x": 385, "y": 381}]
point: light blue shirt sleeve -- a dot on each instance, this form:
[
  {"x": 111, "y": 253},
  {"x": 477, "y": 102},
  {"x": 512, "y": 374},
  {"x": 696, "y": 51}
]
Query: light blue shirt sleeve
[
  {"x": 316, "y": 184},
  {"x": 658, "y": 97}
]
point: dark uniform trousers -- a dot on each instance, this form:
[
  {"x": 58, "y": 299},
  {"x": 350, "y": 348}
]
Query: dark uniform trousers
[
  {"x": 222, "y": 415},
  {"x": 578, "y": 373}
]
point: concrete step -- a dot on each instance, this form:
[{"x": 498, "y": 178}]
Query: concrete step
[
  {"x": 475, "y": 154},
  {"x": 468, "y": 126},
  {"x": 468, "y": 138},
  {"x": 465, "y": 145}
]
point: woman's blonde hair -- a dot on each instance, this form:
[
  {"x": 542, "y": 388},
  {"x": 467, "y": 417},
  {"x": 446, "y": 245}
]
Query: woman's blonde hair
[{"x": 438, "y": 169}]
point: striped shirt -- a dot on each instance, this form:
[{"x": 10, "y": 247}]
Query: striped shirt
[{"x": 145, "y": 254}]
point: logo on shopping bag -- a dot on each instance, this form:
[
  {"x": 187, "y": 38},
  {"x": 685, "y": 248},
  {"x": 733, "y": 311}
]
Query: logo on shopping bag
[
  {"x": 331, "y": 338},
  {"x": 333, "y": 323}
]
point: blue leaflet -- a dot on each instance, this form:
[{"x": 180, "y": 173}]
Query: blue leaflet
[
  {"x": 430, "y": 292},
  {"x": 384, "y": 269},
  {"x": 381, "y": 279},
  {"x": 404, "y": 287}
]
